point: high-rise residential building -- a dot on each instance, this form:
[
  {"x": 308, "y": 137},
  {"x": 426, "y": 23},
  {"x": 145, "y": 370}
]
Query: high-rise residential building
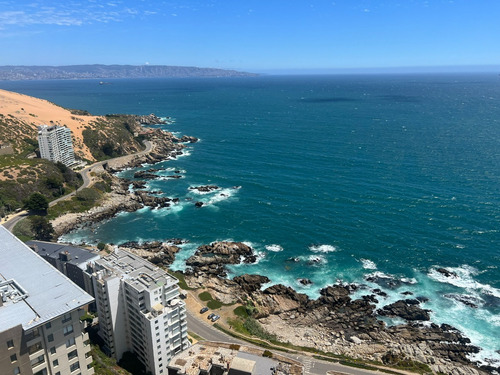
[
  {"x": 40, "y": 309},
  {"x": 139, "y": 310},
  {"x": 55, "y": 144}
]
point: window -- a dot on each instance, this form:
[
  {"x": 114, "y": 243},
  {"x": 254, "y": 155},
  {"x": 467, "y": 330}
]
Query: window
[
  {"x": 58, "y": 373},
  {"x": 70, "y": 342},
  {"x": 53, "y": 350},
  {"x": 17, "y": 371},
  {"x": 50, "y": 338},
  {"x": 13, "y": 358},
  {"x": 10, "y": 344},
  {"x": 75, "y": 366},
  {"x": 35, "y": 362},
  {"x": 55, "y": 362},
  {"x": 34, "y": 348},
  {"x": 72, "y": 354},
  {"x": 67, "y": 330},
  {"x": 66, "y": 317},
  {"x": 48, "y": 325}
]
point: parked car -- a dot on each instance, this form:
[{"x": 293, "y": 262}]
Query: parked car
[
  {"x": 215, "y": 318},
  {"x": 210, "y": 316},
  {"x": 203, "y": 310}
]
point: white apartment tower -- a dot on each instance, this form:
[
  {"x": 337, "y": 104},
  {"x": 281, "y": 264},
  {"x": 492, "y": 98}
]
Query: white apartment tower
[
  {"x": 139, "y": 310},
  {"x": 55, "y": 144},
  {"x": 40, "y": 309}
]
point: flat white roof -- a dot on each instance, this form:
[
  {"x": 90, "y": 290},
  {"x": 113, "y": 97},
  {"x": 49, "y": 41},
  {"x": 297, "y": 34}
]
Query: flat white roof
[{"x": 35, "y": 292}]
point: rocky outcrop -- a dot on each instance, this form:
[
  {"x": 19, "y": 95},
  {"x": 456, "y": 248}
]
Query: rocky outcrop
[
  {"x": 337, "y": 323},
  {"x": 204, "y": 188},
  {"x": 151, "y": 119},
  {"x": 151, "y": 201},
  {"x": 145, "y": 175},
  {"x": 213, "y": 258},
  {"x": 186, "y": 139},
  {"x": 159, "y": 253},
  {"x": 250, "y": 283},
  {"x": 406, "y": 309},
  {"x": 446, "y": 273}
]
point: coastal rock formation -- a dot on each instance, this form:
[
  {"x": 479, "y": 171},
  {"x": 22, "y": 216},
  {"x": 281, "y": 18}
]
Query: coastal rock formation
[
  {"x": 204, "y": 188},
  {"x": 212, "y": 258},
  {"x": 145, "y": 175},
  {"x": 336, "y": 323},
  {"x": 407, "y": 309},
  {"x": 250, "y": 283},
  {"x": 446, "y": 273},
  {"x": 151, "y": 119},
  {"x": 159, "y": 253},
  {"x": 151, "y": 201},
  {"x": 186, "y": 139}
]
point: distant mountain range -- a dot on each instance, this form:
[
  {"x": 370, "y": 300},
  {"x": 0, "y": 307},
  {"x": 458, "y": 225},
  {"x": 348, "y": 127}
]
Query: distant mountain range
[{"x": 112, "y": 71}]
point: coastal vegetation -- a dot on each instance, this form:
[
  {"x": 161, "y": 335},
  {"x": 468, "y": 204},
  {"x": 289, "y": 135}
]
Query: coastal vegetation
[
  {"x": 23, "y": 173},
  {"x": 112, "y": 136}
]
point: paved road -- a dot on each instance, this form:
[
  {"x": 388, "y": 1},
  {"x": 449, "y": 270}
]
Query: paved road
[
  {"x": 85, "y": 173},
  {"x": 199, "y": 325}
]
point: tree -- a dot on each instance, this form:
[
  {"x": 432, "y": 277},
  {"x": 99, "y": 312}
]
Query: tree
[
  {"x": 37, "y": 202},
  {"x": 41, "y": 228}
]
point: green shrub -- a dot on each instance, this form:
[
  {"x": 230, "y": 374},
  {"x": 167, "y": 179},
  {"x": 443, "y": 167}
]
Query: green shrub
[
  {"x": 267, "y": 354},
  {"x": 255, "y": 329},
  {"x": 205, "y": 296},
  {"x": 214, "y": 304},
  {"x": 241, "y": 311},
  {"x": 88, "y": 194},
  {"x": 101, "y": 246}
]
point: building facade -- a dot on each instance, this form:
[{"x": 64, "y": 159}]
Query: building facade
[
  {"x": 139, "y": 310},
  {"x": 68, "y": 259},
  {"x": 56, "y": 145},
  {"x": 40, "y": 309}
]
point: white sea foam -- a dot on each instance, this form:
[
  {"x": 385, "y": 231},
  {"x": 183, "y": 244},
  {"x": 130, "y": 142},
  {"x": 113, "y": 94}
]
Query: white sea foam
[
  {"x": 464, "y": 279},
  {"x": 274, "y": 248},
  {"x": 368, "y": 264},
  {"x": 221, "y": 195},
  {"x": 316, "y": 260},
  {"x": 322, "y": 248},
  {"x": 409, "y": 280}
]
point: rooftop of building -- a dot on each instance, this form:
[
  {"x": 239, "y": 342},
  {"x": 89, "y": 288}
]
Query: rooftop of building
[
  {"x": 202, "y": 356},
  {"x": 77, "y": 256},
  {"x": 33, "y": 292},
  {"x": 141, "y": 274}
]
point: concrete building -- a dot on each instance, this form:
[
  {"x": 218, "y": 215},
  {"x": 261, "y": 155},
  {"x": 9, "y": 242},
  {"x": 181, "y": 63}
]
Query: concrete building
[
  {"x": 215, "y": 358},
  {"x": 40, "y": 329},
  {"x": 55, "y": 144},
  {"x": 70, "y": 260},
  {"x": 139, "y": 310}
]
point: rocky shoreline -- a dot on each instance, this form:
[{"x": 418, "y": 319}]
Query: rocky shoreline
[{"x": 333, "y": 323}]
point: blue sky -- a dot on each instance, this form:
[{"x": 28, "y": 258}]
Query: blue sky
[{"x": 252, "y": 35}]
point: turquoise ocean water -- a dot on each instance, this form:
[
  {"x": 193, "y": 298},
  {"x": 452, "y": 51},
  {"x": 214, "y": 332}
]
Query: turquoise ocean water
[{"x": 351, "y": 176}]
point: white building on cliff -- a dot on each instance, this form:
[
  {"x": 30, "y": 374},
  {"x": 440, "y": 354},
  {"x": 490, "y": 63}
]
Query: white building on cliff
[{"x": 56, "y": 145}]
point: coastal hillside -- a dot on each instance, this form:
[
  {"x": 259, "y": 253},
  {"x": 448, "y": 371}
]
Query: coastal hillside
[
  {"x": 112, "y": 71},
  {"x": 94, "y": 138}
]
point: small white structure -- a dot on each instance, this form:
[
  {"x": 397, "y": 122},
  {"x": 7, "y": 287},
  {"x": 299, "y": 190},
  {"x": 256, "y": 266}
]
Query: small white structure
[{"x": 56, "y": 145}]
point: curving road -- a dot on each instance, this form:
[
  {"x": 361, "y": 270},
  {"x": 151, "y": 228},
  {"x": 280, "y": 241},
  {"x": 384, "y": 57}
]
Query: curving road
[
  {"x": 198, "y": 325},
  {"x": 87, "y": 181}
]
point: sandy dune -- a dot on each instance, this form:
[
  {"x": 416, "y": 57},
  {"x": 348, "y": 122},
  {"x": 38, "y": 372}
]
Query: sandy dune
[{"x": 36, "y": 112}]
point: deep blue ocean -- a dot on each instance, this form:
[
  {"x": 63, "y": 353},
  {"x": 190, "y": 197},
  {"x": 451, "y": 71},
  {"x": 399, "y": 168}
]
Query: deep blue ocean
[{"x": 341, "y": 177}]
